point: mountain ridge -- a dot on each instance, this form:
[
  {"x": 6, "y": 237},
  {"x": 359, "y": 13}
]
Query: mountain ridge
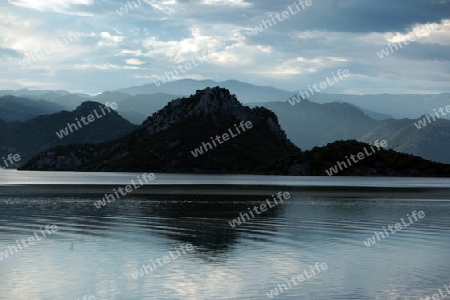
[
  {"x": 38, "y": 134},
  {"x": 312, "y": 124},
  {"x": 165, "y": 140},
  {"x": 14, "y": 108}
]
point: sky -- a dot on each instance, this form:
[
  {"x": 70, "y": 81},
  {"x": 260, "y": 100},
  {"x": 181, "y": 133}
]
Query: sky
[{"x": 97, "y": 45}]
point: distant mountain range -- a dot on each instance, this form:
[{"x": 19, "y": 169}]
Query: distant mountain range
[
  {"x": 138, "y": 107},
  {"x": 377, "y": 106},
  {"x": 63, "y": 98},
  {"x": 244, "y": 91},
  {"x": 181, "y": 138},
  {"x": 38, "y": 134},
  {"x": 430, "y": 142},
  {"x": 21, "y": 109},
  {"x": 310, "y": 124},
  {"x": 314, "y": 122},
  {"x": 397, "y": 106}
]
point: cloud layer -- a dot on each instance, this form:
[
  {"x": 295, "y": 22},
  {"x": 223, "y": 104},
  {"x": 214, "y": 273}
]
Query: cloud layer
[{"x": 122, "y": 43}]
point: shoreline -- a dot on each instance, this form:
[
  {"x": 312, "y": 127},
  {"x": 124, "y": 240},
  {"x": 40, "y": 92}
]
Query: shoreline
[{"x": 231, "y": 189}]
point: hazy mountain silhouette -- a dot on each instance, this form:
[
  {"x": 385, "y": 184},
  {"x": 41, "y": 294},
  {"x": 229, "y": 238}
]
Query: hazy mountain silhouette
[{"x": 38, "y": 134}]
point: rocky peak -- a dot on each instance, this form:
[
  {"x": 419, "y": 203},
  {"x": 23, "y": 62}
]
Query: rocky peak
[
  {"x": 209, "y": 103},
  {"x": 87, "y": 107},
  {"x": 212, "y": 104}
]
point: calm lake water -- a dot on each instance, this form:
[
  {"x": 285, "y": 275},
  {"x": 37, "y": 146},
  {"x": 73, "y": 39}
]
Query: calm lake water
[{"x": 95, "y": 252}]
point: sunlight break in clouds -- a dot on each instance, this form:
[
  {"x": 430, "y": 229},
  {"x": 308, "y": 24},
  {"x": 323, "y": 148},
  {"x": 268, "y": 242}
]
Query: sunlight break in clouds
[
  {"x": 437, "y": 33},
  {"x": 419, "y": 31}
]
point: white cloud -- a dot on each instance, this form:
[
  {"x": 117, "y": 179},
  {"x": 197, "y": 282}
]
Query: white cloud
[
  {"x": 109, "y": 40},
  {"x": 60, "y": 6},
  {"x": 167, "y": 7},
  {"x": 105, "y": 66},
  {"x": 302, "y": 65},
  {"x": 137, "y": 52},
  {"x": 432, "y": 33},
  {"x": 166, "y": 33},
  {"x": 241, "y": 3},
  {"x": 134, "y": 61}
]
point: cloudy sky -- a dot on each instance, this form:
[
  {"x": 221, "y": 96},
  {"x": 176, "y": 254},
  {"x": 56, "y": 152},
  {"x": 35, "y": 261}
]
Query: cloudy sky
[{"x": 93, "y": 45}]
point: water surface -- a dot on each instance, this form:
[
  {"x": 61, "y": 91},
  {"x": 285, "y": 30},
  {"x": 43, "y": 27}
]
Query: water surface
[{"x": 97, "y": 251}]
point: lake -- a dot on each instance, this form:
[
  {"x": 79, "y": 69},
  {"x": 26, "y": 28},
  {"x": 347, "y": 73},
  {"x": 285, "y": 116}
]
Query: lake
[{"x": 180, "y": 227}]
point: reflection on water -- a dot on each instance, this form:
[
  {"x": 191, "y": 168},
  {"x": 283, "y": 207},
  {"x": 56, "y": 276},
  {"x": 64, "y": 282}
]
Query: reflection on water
[{"x": 95, "y": 251}]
